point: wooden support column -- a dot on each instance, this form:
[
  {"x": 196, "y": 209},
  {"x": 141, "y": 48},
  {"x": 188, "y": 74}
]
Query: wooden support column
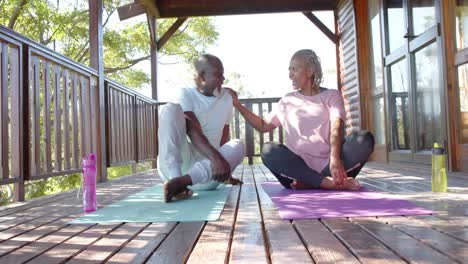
[
  {"x": 363, "y": 60},
  {"x": 97, "y": 62},
  {"x": 152, "y": 24}
]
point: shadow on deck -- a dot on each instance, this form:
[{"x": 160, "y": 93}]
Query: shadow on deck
[{"x": 249, "y": 230}]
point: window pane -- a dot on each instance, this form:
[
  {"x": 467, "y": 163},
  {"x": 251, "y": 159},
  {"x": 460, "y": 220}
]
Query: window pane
[
  {"x": 378, "y": 121},
  {"x": 396, "y": 24},
  {"x": 399, "y": 106},
  {"x": 461, "y": 24},
  {"x": 428, "y": 120},
  {"x": 463, "y": 90},
  {"x": 423, "y": 15}
]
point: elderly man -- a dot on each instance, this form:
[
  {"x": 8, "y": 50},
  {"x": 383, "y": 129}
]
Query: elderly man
[{"x": 194, "y": 146}]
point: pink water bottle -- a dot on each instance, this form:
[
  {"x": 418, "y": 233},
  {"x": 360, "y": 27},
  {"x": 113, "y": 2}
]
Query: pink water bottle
[{"x": 89, "y": 183}]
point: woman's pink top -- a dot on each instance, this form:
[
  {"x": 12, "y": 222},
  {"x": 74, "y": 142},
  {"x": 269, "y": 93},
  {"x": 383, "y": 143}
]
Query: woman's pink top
[{"x": 306, "y": 121}]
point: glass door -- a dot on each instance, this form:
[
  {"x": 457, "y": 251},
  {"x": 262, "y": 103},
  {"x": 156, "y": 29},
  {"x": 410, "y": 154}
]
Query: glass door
[{"x": 414, "y": 78}]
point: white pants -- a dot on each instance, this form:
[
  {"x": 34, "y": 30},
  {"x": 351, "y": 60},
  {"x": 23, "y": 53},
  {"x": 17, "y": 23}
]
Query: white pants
[{"x": 177, "y": 156}]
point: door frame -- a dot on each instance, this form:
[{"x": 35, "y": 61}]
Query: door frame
[{"x": 407, "y": 52}]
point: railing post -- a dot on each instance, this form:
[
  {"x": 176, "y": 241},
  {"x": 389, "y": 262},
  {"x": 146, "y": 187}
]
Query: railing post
[
  {"x": 249, "y": 137},
  {"x": 97, "y": 62},
  {"x": 24, "y": 157},
  {"x": 136, "y": 124}
]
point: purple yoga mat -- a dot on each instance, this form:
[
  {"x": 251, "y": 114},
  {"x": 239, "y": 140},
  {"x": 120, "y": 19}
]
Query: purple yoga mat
[{"x": 306, "y": 204}]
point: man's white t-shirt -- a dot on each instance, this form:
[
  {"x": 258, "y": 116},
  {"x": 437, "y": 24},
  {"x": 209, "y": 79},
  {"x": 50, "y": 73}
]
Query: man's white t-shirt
[{"x": 213, "y": 112}]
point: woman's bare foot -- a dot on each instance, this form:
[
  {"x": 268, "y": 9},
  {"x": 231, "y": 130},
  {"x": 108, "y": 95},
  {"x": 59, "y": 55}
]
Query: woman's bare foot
[
  {"x": 299, "y": 185},
  {"x": 176, "y": 188},
  {"x": 349, "y": 184}
]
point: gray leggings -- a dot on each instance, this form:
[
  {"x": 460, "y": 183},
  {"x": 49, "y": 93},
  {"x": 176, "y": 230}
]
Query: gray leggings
[{"x": 356, "y": 148}]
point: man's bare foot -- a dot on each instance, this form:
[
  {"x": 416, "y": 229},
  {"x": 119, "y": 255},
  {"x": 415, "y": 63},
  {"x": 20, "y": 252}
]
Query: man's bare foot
[
  {"x": 299, "y": 185},
  {"x": 184, "y": 194},
  {"x": 176, "y": 189},
  {"x": 233, "y": 181}
]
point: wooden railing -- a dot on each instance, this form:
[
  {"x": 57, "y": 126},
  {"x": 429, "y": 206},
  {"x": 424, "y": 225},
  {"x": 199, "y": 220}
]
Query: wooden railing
[
  {"x": 49, "y": 107},
  {"x": 253, "y": 139},
  {"x": 131, "y": 126}
]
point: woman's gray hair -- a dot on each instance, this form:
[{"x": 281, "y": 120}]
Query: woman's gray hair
[{"x": 313, "y": 62}]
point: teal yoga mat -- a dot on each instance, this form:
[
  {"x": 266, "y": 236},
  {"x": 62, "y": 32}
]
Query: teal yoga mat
[{"x": 148, "y": 206}]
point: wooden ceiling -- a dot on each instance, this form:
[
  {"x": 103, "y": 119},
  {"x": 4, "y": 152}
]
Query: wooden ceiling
[
  {"x": 188, "y": 8},
  {"x": 192, "y": 8}
]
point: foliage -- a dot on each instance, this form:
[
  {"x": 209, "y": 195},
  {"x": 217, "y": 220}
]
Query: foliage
[{"x": 65, "y": 29}]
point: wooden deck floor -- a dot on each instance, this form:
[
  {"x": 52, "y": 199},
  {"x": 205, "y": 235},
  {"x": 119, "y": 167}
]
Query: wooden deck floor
[{"x": 249, "y": 231}]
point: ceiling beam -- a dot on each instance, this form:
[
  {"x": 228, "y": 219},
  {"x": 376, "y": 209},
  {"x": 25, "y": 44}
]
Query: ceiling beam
[
  {"x": 151, "y": 7},
  {"x": 172, "y": 29},
  {"x": 325, "y": 30},
  {"x": 130, "y": 10},
  {"x": 193, "y": 8}
]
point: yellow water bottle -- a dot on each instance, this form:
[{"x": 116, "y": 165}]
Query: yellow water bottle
[{"x": 439, "y": 173}]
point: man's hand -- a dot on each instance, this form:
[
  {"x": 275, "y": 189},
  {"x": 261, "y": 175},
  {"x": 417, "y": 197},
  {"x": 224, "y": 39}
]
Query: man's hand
[
  {"x": 235, "y": 99},
  {"x": 220, "y": 168},
  {"x": 338, "y": 172}
]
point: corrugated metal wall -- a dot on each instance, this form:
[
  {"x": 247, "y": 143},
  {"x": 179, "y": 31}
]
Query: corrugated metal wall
[{"x": 348, "y": 64}]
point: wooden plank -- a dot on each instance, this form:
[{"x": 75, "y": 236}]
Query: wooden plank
[
  {"x": 270, "y": 134},
  {"x": 112, "y": 122},
  {"x": 408, "y": 248},
  {"x": 74, "y": 245},
  {"x": 455, "y": 249},
  {"x": 57, "y": 116},
  {"x": 284, "y": 243},
  {"x": 105, "y": 247},
  {"x": 130, "y": 10},
  {"x": 128, "y": 111},
  {"x": 66, "y": 118},
  {"x": 4, "y": 171},
  {"x": 170, "y": 31},
  {"x": 87, "y": 112},
  {"x": 456, "y": 228},
  {"x": 325, "y": 30},
  {"x": 94, "y": 129},
  {"x": 46, "y": 114},
  {"x": 323, "y": 245},
  {"x": 260, "y": 113},
  {"x": 15, "y": 116},
  {"x": 75, "y": 122},
  {"x": 35, "y": 117},
  {"x": 248, "y": 243},
  {"x": 183, "y": 8},
  {"x": 177, "y": 247},
  {"x": 236, "y": 122},
  {"x": 118, "y": 109},
  {"x": 267, "y": 173},
  {"x": 249, "y": 137},
  {"x": 364, "y": 246},
  {"x": 56, "y": 218},
  {"x": 29, "y": 251},
  {"x": 213, "y": 246},
  {"x": 143, "y": 245}
]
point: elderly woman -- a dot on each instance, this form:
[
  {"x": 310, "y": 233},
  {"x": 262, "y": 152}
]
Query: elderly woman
[{"x": 314, "y": 154}]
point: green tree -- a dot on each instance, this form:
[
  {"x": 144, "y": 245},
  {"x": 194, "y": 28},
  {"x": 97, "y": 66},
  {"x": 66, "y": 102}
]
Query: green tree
[{"x": 63, "y": 26}]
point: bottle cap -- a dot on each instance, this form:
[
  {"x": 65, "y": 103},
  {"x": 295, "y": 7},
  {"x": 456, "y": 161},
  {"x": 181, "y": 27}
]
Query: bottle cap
[
  {"x": 438, "y": 150},
  {"x": 90, "y": 160}
]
